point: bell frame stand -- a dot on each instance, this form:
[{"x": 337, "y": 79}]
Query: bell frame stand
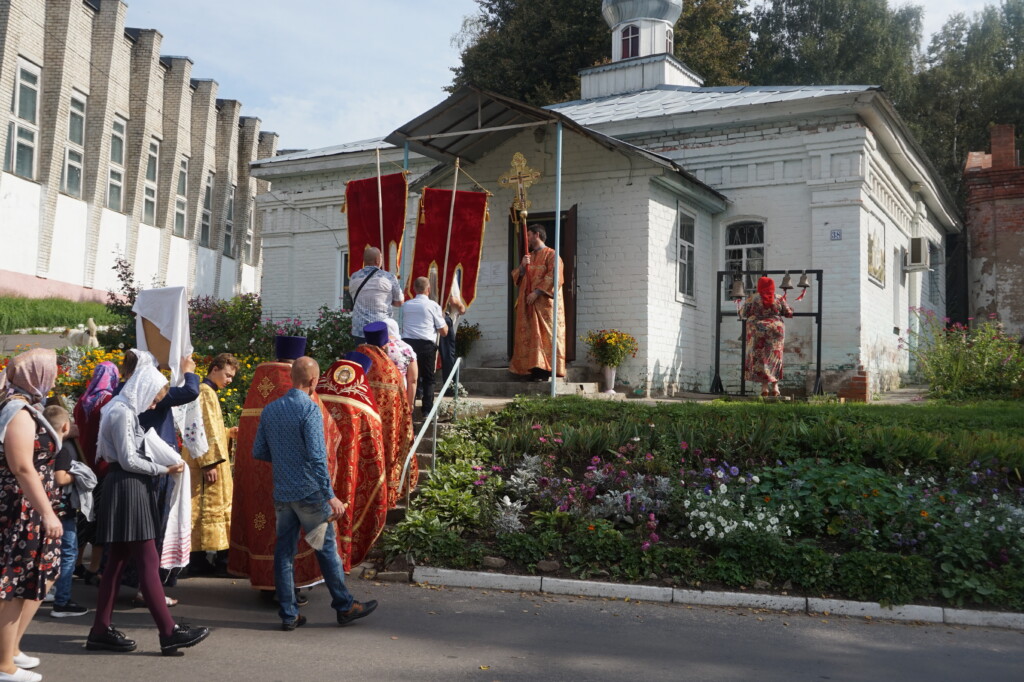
[{"x": 716, "y": 384}]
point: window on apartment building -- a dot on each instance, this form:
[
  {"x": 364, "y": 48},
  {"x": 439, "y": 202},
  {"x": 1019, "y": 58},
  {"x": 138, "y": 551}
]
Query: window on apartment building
[
  {"x": 744, "y": 250},
  {"x": 74, "y": 155},
  {"x": 204, "y": 223},
  {"x": 180, "y": 201},
  {"x": 250, "y": 230},
  {"x": 115, "y": 183},
  {"x": 630, "y": 42},
  {"x": 229, "y": 225},
  {"x": 149, "y": 189},
  {"x": 23, "y": 129},
  {"x": 685, "y": 239}
]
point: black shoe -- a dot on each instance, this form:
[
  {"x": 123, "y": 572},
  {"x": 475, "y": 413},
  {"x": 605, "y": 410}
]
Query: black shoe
[
  {"x": 72, "y": 608},
  {"x": 358, "y": 610},
  {"x": 288, "y": 626},
  {"x": 183, "y": 637},
  {"x": 109, "y": 640}
]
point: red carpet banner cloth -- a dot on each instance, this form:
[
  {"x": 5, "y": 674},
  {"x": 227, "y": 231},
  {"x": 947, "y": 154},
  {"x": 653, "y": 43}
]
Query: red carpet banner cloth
[
  {"x": 363, "y": 212},
  {"x": 466, "y": 244}
]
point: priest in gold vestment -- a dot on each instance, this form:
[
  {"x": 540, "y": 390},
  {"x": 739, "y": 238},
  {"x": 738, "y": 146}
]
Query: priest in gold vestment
[
  {"x": 535, "y": 277},
  {"x": 211, "y": 473}
]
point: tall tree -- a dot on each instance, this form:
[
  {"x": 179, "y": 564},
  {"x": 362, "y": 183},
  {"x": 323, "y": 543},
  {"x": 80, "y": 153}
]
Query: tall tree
[
  {"x": 830, "y": 42},
  {"x": 533, "y": 49}
]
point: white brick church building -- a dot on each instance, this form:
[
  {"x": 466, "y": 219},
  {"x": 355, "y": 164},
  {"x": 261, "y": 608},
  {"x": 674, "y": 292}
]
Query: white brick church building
[{"x": 664, "y": 183}]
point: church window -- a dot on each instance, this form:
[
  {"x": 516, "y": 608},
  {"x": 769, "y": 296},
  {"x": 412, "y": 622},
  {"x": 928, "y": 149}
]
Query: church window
[
  {"x": 744, "y": 250},
  {"x": 149, "y": 190},
  {"x": 180, "y": 202},
  {"x": 685, "y": 254},
  {"x": 229, "y": 225},
  {"x": 23, "y": 129},
  {"x": 669, "y": 41},
  {"x": 630, "y": 42},
  {"x": 205, "y": 221}
]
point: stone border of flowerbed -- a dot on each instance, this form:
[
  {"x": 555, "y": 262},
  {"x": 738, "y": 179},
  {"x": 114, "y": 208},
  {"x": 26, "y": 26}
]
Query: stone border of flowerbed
[{"x": 811, "y": 605}]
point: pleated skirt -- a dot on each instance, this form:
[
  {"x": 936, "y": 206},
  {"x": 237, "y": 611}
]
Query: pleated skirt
[{"x": 129, "y": 510}]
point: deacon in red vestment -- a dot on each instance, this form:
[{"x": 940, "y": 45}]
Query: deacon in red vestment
[
  {"x": 535, "y": 277},
  {"x": 253, "y": 522},
  {"x": 388, "y": 390},
  {"x": 360, "y": 481}
]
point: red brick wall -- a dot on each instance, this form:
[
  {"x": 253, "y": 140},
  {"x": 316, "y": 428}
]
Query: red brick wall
[{"x": 857, "y": 388}]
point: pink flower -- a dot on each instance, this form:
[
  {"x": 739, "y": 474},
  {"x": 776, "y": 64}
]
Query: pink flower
[
  {"x": 535, "y": 427},
  {"x": 542, "y": 439}
]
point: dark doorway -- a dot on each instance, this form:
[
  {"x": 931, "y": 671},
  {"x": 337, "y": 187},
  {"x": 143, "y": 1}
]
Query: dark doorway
[{"x": 567, "y": 251}]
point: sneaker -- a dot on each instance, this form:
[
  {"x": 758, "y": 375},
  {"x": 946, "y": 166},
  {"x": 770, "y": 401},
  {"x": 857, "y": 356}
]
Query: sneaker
[
  {"x": 288, "y": 626},
  {"x": 72, "y": 608},
  {"x": 357, "y": 611},
  {"x": 21, "y": 675},
  {"x": 109, "y": 640},
  {"x": 183, "y": 637},
  {"x": 26, "y": 662}
]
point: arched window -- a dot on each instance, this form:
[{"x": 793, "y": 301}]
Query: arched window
[
  {"x": 630, "y": 42},
  {"x": 669, "y": 41},
  {"x": 744, "y": 251}
]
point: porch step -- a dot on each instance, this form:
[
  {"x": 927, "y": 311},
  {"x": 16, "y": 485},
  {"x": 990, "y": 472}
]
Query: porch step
[
  {"x": 501, "y": 374},
  {"x": 509, "y": 389}
]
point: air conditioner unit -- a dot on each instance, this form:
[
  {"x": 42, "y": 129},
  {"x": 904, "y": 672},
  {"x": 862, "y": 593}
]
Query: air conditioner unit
[{"x": 918, "y": 256}]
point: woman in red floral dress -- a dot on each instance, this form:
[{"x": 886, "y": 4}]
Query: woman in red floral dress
[{"x": 766, "y": 336}]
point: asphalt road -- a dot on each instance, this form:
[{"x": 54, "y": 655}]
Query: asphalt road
[{"x": 430, "y": 633}]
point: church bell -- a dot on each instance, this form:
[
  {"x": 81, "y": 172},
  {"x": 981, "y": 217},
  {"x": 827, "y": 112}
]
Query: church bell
[
  {"x": 737, "y": 292},
  {"x": 787, "y": 283},
  {"x": 804, "y": 282}
]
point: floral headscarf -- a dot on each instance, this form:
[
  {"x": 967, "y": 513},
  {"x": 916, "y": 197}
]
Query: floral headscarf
[
  {"x": 104, "y": 381},
  {"x": 32, "y": 373},
  {"x": 140, "y": 390}
]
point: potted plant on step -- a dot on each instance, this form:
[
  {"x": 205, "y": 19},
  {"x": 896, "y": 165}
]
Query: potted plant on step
[{"x": 609, "y": 347}]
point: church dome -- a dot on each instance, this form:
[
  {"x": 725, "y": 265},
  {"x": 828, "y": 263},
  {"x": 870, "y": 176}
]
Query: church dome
[{"x": 617, "y": 11}]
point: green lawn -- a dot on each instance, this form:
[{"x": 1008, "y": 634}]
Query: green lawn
[{"x": 26, "y": 313}]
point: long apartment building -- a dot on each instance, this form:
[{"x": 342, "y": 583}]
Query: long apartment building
[{"x": 112, "y": 150}]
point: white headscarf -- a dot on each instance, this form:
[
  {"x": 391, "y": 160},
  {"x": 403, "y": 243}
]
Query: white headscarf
[
  {"x": 140, "y": 390},
  {"x": 393, "y": 329}
]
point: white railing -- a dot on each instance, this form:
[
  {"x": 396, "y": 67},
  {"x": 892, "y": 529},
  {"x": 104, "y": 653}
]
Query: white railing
[{"x": 431, "y": 420}]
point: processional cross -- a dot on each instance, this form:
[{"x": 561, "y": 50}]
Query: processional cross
[{"x": 522, "y": 177}]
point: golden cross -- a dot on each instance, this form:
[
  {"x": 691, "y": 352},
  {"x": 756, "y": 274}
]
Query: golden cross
[{"x": 522, "y": 177}]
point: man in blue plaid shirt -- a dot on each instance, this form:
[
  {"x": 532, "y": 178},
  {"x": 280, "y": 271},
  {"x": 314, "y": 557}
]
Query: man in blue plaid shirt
[{"x": 374, "y": 291}]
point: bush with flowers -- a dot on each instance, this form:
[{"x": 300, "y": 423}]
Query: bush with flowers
[
  {"x": 709, "y": 495},
  {"x": 963, "y": 361},
  {"x": 610, "y": 347}
]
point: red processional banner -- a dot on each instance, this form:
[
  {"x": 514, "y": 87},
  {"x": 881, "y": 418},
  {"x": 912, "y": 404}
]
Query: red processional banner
[
  {"x": 364, "y": 217},
  {"x": 467, "y": 240}
]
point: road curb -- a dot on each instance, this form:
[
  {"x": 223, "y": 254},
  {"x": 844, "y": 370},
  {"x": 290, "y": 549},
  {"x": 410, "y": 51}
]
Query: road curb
[{"x": 839, "y": 607}]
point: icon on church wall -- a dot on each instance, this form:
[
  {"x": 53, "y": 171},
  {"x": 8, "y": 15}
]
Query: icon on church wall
[{"x": 876, "y": 252}]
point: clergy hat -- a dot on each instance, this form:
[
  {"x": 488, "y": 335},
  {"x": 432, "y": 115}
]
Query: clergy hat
[
  {"x": 376, "y": 334},
  {"x": 360, "y": 359},
  {"x": 289, "y": 347}
]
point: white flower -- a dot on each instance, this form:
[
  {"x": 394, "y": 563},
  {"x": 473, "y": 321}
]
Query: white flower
[
  {"x": 760, "y": 516},
  {"x": 796, "y": 515},
  {"x": 722, "y": 489},
  {"x": 755, "y": 479},
  {"x": 686, "y": 504},
  {"x": 711, "y": 532},
  {"x": 742, "y": 480}
]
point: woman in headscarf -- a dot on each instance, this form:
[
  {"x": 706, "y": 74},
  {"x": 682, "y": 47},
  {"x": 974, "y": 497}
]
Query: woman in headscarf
[
  {"x": 30, "y": 530},
  {"x": 404, "y": 358},
  {"x": 766, "y": 336},
  {"x": 128, "y": 517}
]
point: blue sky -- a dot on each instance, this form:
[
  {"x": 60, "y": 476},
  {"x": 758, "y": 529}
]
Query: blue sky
[{"x": 322, "y": 72}]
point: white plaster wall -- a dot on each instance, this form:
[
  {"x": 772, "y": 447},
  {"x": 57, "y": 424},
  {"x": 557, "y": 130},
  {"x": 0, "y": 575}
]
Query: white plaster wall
[
  {"x": 228, "y": 276},
  {"x": 67, "y": 258},
  {"x": 147, "y": 256},
  {"x": 249, "y": 283},
  {"x": 178, "y": 263},
  {"x": 206, "y": 272},
  {"x": 19, "y": 223},
  {"x": 112, "y": 241}
]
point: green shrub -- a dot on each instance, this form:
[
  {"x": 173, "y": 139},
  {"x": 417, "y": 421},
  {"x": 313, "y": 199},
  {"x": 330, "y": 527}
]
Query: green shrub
[
  {"x": 810, "y": 567},
  {"x": 526, "y": 548},
  {"x": 887, "y": 578},
  {"x": 423, "y": 538},
  {"x": 598, "y": 546}
]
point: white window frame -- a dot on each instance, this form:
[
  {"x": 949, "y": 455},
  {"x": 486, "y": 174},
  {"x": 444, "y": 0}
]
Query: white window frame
[
  {"x": 670, "y": 41},
  {"x": 229, "y": 225},
  {"x": 748, "y": 258},
  {"x": 206, "y": 221},
  {"x": 23, "y": 132},
  {"x": 115, "y": 177},
  {"x": 686, "y": 262},
  {"x": 630, "y": 36},
  {"x": 181, "y": 199},
  {"x": 74, "y": 153},
  {"x": 250, "y": 230},
  {"x": 152, "y": 178}
]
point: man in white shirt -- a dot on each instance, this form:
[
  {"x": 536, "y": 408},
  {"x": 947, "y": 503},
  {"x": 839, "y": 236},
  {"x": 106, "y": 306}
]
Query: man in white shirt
[
  {"x": 373, "y": 291},
  {"x": 422, "y": 322}
]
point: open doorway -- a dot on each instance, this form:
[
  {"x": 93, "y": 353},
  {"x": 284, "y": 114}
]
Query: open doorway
[{"x": 567, "y": 251}]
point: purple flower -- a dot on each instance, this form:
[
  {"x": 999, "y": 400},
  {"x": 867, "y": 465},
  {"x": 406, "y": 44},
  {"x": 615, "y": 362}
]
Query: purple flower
[{"x": 734, "y": 471}]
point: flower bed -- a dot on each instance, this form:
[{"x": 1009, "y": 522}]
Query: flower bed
[{"x": 813, "y": 499}]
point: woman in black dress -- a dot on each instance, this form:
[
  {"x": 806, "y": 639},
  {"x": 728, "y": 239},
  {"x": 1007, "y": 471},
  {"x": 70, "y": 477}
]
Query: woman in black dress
[
  {"x": 128, "y": 516},
  {"x": 29, "y": 528}
]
